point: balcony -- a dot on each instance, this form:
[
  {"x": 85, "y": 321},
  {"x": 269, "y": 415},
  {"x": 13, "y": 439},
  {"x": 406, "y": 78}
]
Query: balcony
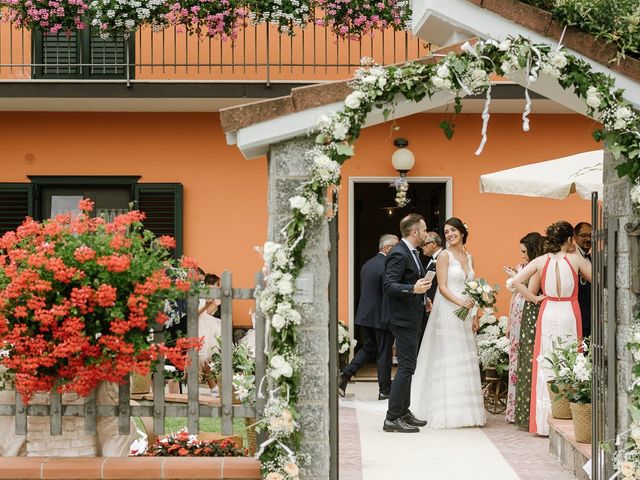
[{"x": 259, "y": 55}]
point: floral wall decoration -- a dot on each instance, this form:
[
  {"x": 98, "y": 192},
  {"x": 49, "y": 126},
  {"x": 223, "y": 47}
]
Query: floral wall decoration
[{"x": 335, "y": 136}]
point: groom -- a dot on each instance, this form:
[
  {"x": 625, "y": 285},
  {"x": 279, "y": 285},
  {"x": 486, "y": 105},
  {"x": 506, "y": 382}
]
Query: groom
[{"x": 403, "y": 304}]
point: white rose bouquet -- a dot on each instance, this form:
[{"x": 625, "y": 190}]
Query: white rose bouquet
[{"x": 483, "y": 294}]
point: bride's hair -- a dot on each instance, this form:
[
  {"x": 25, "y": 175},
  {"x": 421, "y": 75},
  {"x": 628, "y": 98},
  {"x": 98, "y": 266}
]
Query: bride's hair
[
  {"x": 557, "y": 234},
  {"x": 458, "y": 225}
]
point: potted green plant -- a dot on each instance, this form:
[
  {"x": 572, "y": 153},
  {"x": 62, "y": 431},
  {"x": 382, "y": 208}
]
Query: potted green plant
[
  {"x": 561, "y": 360},
  {"x": 579, "y": 394}
]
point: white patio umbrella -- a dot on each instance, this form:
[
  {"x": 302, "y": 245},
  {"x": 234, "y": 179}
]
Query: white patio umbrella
[{"x": 580, "y": 173}]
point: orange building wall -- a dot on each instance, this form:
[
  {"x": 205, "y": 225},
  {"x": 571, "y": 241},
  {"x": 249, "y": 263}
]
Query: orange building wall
[{"x": 225, "y": 212}]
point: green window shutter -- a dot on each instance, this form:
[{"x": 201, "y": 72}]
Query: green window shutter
[
  {"x": 107, "y": 56},
  {"x": 16, "y": 202},
  {"x": 162, "y": 205},
  {"x": 52, "y": 51}
]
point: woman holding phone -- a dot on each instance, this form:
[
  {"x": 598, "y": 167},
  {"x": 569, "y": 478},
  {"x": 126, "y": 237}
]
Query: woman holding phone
[
  {"x": 530, "y": 247},
  {"x": 446, "y": 389}
]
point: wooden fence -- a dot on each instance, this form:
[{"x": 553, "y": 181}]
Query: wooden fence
[{"x": 194, "y": 409}]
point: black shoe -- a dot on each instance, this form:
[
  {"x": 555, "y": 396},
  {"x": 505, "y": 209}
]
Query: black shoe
[
  {"x": 342, "y": 385},
  {"x": 398, "y": 425},
  {"x": 383, "y": 396},
  {"x": 409, "y": 419}
]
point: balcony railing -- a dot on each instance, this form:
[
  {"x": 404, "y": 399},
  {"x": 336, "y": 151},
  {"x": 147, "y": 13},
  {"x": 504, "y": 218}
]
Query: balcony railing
[{"x": 260, "y": 54}]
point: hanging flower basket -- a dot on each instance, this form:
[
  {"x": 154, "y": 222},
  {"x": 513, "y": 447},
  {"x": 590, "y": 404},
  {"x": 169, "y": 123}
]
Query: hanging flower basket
[
  {"x": 355, "y": 18},
  {"x": 50, "y": 16},
  {"x": 210, "y": 18},
  {"x": 123, "y": 17},
  {"x": 79, "y": 299},
  {"x": 286, "y": 14}
]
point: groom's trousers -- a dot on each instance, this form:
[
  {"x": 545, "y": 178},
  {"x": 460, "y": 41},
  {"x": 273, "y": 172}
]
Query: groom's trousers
[{"x": 407, "y": 352}]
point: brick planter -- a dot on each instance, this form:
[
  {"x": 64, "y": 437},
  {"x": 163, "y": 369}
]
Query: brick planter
[{"x": 150, "y": 468}]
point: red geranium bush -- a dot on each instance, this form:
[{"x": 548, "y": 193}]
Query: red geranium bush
[{"x": 79, "y": 299}]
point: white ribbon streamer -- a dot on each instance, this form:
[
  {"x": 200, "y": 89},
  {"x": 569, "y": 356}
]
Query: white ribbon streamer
[
  {"x": 266, "y": 443},
  {"x": 527, "y": 111},
  {"x": 614, "y": 476},
  {"x": 485, "y": 120}
]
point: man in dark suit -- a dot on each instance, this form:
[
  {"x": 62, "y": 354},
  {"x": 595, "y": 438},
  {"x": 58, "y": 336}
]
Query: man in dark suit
[
  {"x": 377, "y": 339},
  {"x": 431, "y": 250},
  {"x": 582, "y": 237},
  {"x": 403, "y": 307}
]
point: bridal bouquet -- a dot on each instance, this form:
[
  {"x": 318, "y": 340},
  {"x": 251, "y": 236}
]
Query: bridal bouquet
[{"x": 483, "y": 294}]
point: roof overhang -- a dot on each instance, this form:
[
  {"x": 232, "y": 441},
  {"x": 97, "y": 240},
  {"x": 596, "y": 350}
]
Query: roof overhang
[{"x": 436, "y": 21}]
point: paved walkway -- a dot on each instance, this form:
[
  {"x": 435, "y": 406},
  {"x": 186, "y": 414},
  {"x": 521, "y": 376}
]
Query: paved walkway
[{"x": 495, "y": 452}]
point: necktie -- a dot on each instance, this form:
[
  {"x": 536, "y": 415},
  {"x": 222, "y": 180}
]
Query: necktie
[
  {"x": 587, "y": 256},
  {"x": 418, "y": 263}
]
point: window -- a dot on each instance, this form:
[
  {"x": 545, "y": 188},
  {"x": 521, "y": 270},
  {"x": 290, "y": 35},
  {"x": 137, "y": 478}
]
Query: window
[
  {"x": 46, "y": 196},
  {"x": 60, "y": 56}
]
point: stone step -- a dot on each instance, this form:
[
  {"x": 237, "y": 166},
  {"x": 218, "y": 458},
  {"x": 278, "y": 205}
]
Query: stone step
[{"x": 563, "y": 445}]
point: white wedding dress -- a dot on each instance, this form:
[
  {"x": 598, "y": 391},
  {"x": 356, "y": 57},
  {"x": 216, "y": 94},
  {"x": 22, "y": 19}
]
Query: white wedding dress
[{"x": 446, "y": 389}]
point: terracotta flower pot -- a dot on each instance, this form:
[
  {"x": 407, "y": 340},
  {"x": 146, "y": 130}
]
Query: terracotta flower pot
[
  {"x": 581, "y": 413},
  {"x": 560, "y": 406},
  {"x": 140, "y": 384}
]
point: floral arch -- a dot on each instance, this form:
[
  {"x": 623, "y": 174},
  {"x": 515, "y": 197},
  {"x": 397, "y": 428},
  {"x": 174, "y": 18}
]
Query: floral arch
[{"x": 382, "y": 87}]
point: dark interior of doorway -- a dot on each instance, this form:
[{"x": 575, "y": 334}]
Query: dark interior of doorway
[{"x": 375, "y": 214}]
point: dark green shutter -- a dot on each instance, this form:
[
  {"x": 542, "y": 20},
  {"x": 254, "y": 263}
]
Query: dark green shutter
[
  {"x": 55, "y": 50},
  {"x": 15, "y": 204},
  {"x": 105, "y": 52},
  {"x": 162, "y": 205},
  {"x": 83, "y": 47}
]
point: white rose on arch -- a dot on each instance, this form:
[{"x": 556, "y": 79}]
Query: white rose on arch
[
  {"x": 278, "y": 322},
  {"x": 593, "y": 97},
  {"x": 354, "y": 99}
]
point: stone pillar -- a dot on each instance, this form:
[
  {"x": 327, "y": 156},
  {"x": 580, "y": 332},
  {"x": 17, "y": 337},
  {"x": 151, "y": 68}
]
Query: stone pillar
[
  {"x": 287, "y": 170},
  {"x": 617, "y": 204}
]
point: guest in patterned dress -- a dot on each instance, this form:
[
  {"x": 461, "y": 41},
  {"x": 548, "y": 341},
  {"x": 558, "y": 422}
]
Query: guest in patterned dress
[
  {"x": 516, "y": 305},
  {"x": 521, "y": 353}
]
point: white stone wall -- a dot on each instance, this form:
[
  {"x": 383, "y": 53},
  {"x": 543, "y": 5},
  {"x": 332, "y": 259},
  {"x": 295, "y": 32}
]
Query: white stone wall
[
  {"x": 617, "y": 204},
  {"x": 287, "y": 170}
]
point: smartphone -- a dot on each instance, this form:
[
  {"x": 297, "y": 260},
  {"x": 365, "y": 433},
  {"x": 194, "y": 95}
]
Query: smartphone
[{"x": 430, "y": 275}]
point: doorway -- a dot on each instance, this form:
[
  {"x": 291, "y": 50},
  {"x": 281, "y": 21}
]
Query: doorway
[{"x": 372, "y": 213}]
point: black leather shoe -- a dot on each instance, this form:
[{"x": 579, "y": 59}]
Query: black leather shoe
[
  {"x": 398, "y": 425},
  {"x": 383, "y": 396},
  {"x": 409, "y": 419},
  {"x": 342, "y": 385}
]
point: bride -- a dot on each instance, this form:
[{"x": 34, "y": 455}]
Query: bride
[{"x": 446, "y": 389}]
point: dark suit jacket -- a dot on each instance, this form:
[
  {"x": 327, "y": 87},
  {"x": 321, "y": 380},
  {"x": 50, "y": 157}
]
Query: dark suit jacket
[
  {"x": 584, "y": 300},
  {"x": 401, "y": 306},
  {"x": 369, "y": 312},
  {"x": 431, "y": 267}
]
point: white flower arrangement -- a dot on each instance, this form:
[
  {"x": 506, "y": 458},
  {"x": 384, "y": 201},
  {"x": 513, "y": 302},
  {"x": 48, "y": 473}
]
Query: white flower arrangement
[
  {"x": 285, "y": 14},
  {"x": 345, "y": 341},
  {"x": 113, "y": 17},
  {"x": 493, "y": 344},
  {"x": 402, "y": 187}
]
